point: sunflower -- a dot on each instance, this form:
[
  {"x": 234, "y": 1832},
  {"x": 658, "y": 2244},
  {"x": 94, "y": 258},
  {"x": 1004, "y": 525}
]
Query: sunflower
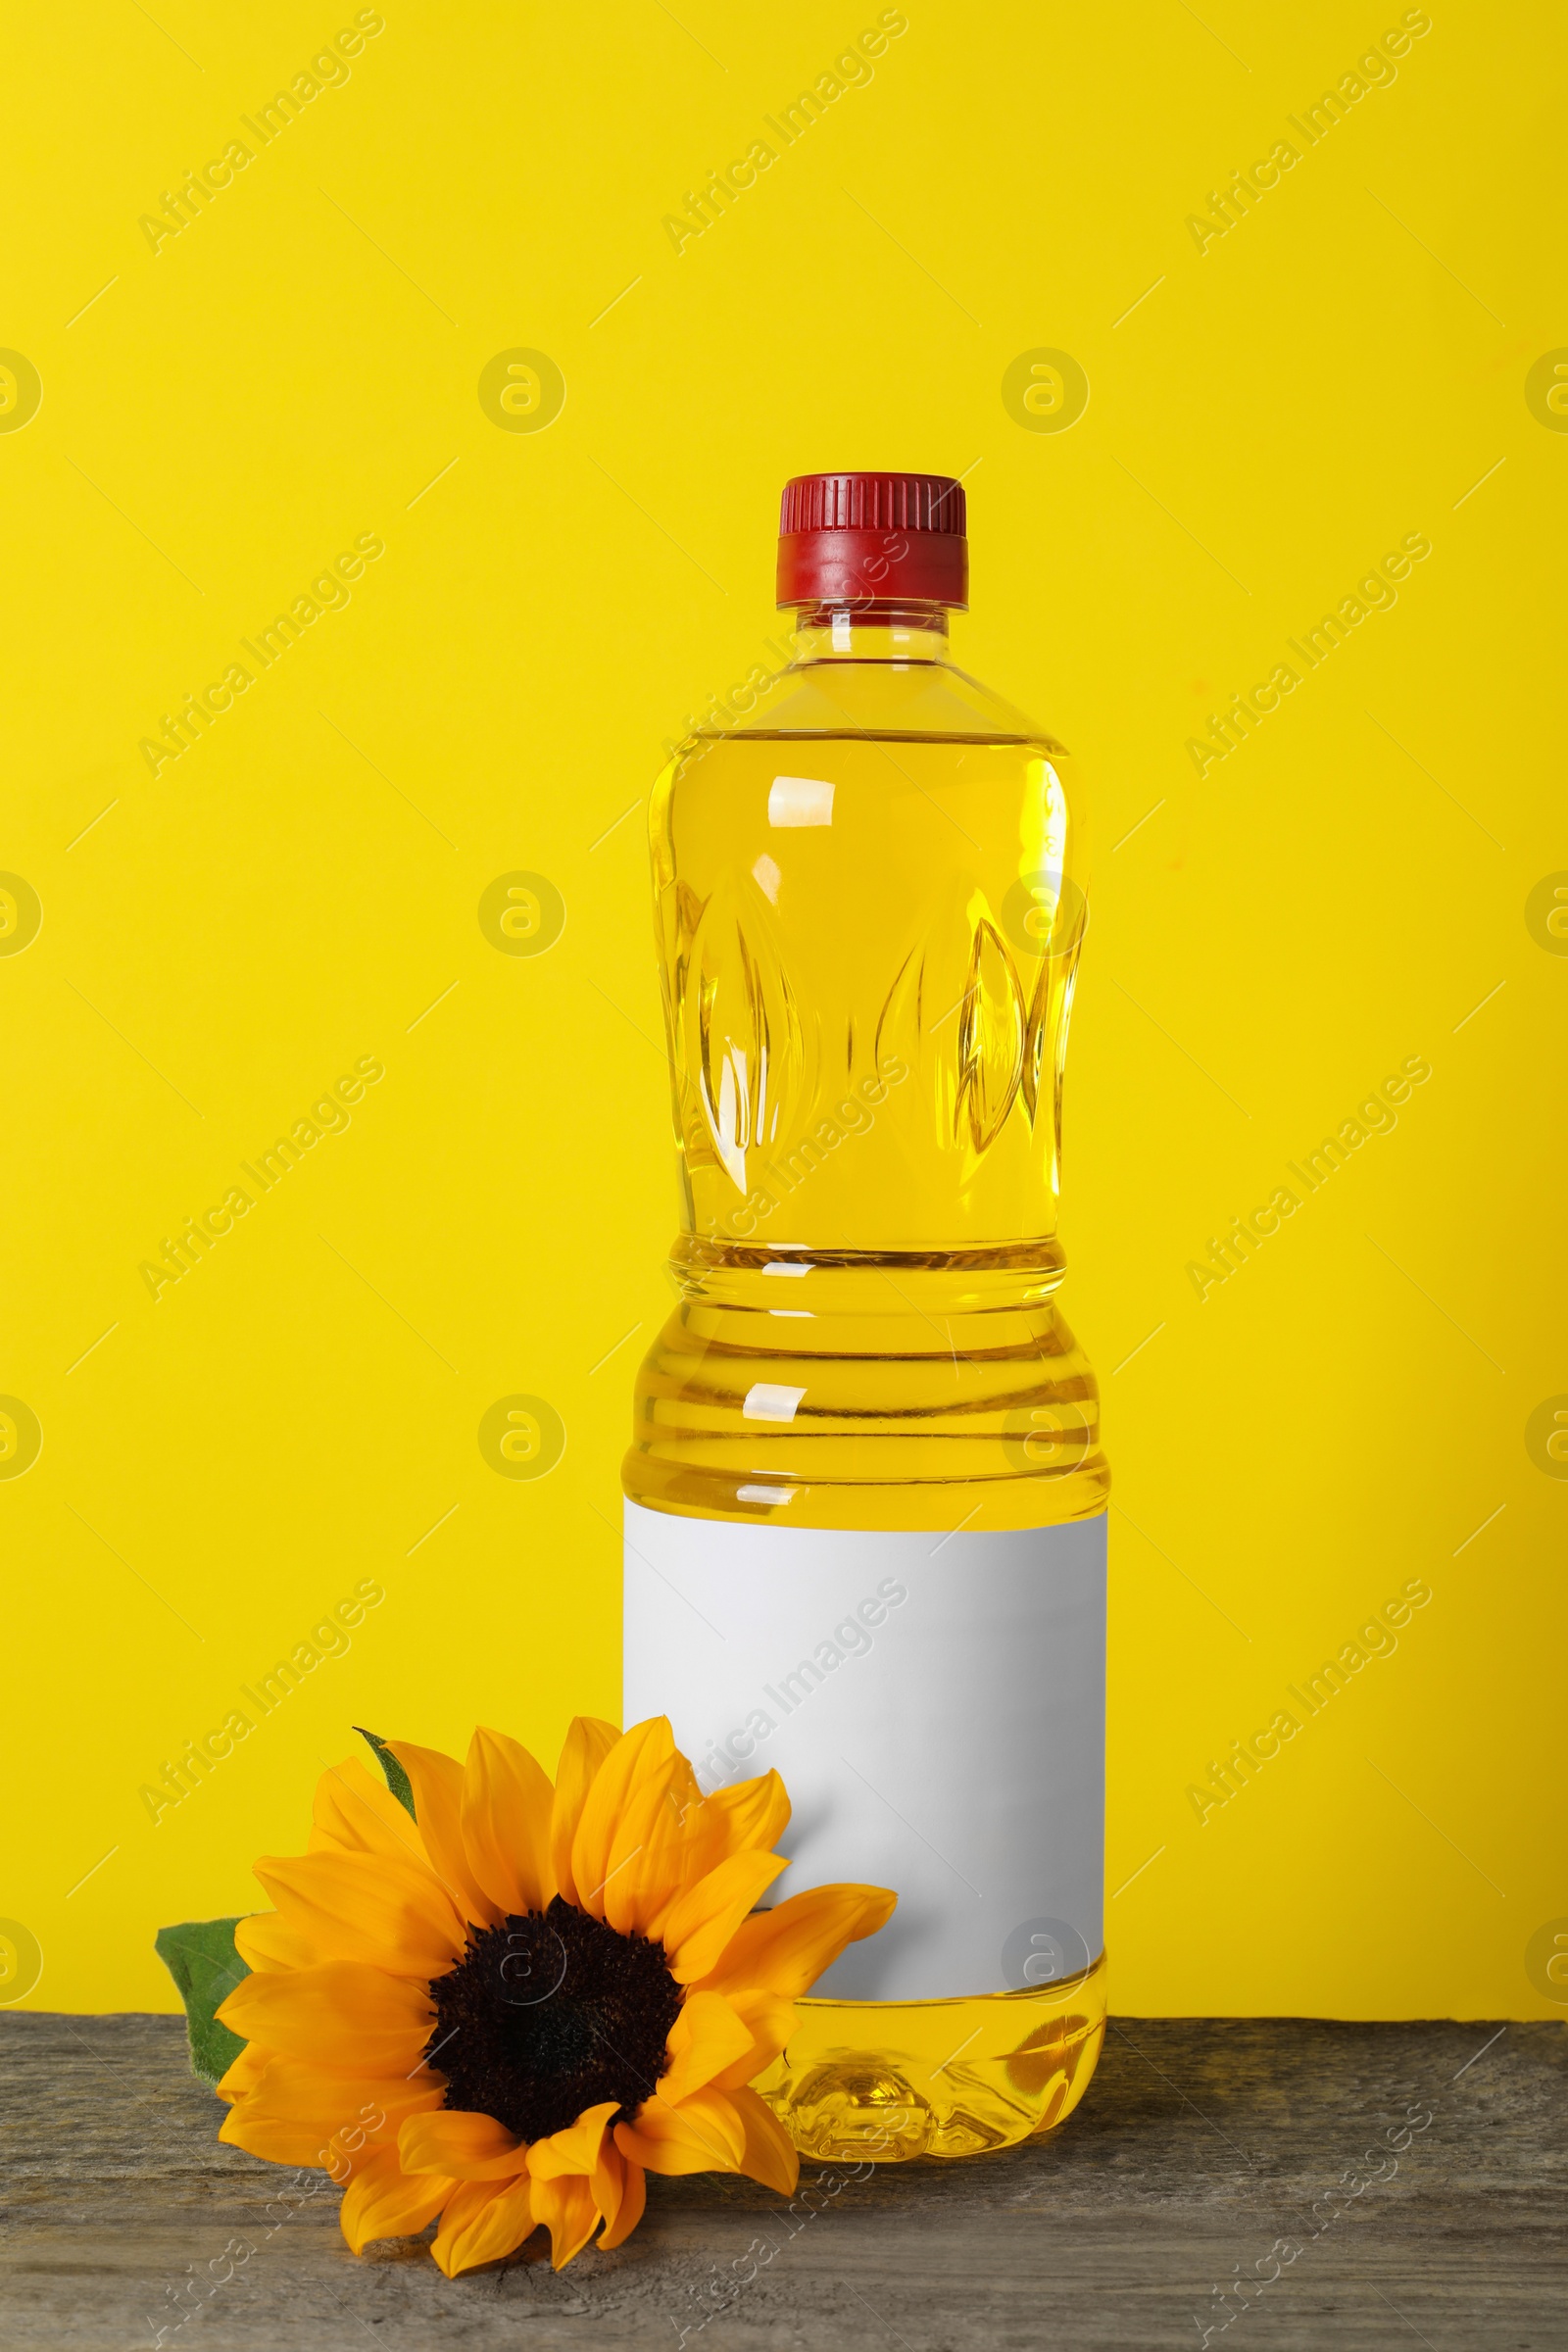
[{"x": 504, "y": 2011}]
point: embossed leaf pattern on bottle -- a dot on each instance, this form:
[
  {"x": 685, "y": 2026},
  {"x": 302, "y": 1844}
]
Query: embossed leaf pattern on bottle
[
  {"x": 740, "y": 1035},
  {"x": 1045, "y": 1050},
  {"x": 957, "y": 1012},
  {"x": 1035, "y": 1044},
  {"x": 980, "y": 1027},
  {"x": 679, "y": 911},
  {"x": 900, "y": 1024},
  {"x": 991, "y": 1039}
]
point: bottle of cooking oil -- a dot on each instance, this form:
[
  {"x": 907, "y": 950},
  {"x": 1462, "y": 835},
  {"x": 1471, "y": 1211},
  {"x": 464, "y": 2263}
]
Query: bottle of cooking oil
[{"x": 866, "y": 1516}]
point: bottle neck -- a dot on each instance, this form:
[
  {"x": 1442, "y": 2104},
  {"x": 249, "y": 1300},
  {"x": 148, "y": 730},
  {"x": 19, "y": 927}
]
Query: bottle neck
[{"x": 901, "y": 633}]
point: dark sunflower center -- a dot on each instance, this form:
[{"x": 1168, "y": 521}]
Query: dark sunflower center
[{"x": 550, "y": 2013}]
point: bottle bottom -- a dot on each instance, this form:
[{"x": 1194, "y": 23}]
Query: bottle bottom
[{"x": 881, "y": 2082}]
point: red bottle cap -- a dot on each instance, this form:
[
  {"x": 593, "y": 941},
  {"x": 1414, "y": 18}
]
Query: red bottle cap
[{"x": 874, "y": 538}]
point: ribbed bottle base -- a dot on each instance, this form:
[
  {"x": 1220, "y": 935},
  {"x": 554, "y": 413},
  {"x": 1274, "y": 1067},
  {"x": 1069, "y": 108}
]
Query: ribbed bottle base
[{"x": 881, "y": 2082}]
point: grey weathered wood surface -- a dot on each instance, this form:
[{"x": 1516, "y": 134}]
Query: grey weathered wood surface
[{"x": 1199, "y": 2146}]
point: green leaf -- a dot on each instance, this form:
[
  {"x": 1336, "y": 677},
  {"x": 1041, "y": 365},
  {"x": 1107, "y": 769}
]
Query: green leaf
[
  {"x": 201, "y": 1958},
  {"x": 397, "y": 1779}
]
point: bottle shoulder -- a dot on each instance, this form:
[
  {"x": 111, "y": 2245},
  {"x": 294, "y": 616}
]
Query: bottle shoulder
[{"x": 929, "y": 700}]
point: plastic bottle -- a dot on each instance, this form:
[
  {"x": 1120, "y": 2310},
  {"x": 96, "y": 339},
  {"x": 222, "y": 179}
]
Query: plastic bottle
[{"x": 865, "y": 1517}]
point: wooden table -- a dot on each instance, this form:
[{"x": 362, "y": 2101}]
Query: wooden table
[{"x": 1202, "y": 2145}]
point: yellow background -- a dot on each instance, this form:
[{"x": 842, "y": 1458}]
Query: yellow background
[{"x": 296, "y": 369}]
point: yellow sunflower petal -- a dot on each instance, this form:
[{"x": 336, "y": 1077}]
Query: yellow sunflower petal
[
  {"x": 281, "y": 2140},
  {"x": 506, "y": 1824},
  {"x": 644, "y": 1893},
  {"x": 482, "y": 2221},
  {"x": 786, "y": 1950},
  {"x": 355, "y": 1813},
  {"x": 383, "y": 2201},
  {"x": 575, "y": 2149},
  {"x": 278, "y": 2140},
  {"x": 569, "y": 2211},
  {"x": 701, "y": 1923},
  {"x": 752, "y": 1813},
  {"x": 704, "y": 2134},
  {"x": 269, "y": 1943},
  {"x": 345, "y": 2017},
  {"x": 769, "y": 2156},
  {"x": 769, "y": 2021},
  {"x": 623, "y": 2215},
  {"x": 463, "y": 2145},
  {"x": 640, "y": 1879},
  {"x": 245, "y": 2073},
  {"x": 437, "y": 1783},
  {"x": 298, "y": 2114},
  {"x": 638, "y": 1754},
  {"x": 389, "y": 1913},
  {"x": 706, "y": 2037},
  {"x": 616, "y": 2184},
  {"x": 585, "y": 2151},
  {"x": 294, "y": 2091},
  {"x": 587, "y": 1743}
]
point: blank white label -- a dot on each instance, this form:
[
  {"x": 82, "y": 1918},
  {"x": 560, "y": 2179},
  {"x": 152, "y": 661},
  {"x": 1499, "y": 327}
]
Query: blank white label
[{"x": 935, "y": 1705}]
